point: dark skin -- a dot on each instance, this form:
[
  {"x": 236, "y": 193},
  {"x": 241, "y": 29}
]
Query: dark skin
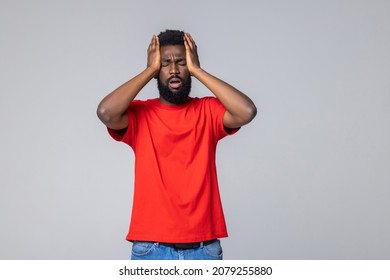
[{"x": 163, "y": 63}]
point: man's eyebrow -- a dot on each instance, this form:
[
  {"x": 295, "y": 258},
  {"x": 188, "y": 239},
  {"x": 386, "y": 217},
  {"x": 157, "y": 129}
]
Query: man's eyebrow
[{"x": 170, "y": 59}]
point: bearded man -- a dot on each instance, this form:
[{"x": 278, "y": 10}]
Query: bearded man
[{"x": 177, "y": 211}]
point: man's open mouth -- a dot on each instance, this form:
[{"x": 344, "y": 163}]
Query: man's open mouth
[{"x": 174, "y": 83}]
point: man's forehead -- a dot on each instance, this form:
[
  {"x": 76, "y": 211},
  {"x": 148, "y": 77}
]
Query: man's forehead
[{"x": 173, "y": 50}]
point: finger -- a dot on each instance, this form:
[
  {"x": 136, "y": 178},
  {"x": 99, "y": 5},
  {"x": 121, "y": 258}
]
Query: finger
[
  {"x": 190, "y": 39},
  {"x": 185, "y": 42},
  {"x": 155, "y": 41},
  {"x": 151, "y": 43}
]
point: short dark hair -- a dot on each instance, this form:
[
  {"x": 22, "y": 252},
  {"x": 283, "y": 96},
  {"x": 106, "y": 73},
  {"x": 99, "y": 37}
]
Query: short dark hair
[{"x": 171, "y": 37}]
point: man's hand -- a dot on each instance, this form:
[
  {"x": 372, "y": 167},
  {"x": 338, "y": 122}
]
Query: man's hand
[
  {"x": 192, "y": 58},
  {"x": 154, "y": 56}
]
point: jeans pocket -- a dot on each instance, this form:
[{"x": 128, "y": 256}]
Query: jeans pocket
[
  {"x": 141, "y": 249},
  {"x": 214, "y": 249}
]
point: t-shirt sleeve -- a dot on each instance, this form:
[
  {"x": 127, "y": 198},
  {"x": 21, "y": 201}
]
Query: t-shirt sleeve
[
  {"x": 218, "y": 110},
  {"x": 127, "y": 134}
]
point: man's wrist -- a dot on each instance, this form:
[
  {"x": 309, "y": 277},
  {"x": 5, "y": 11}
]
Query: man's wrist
[
  {"x": 196, "y": 72},
  {"x": 153, "y": 72}
]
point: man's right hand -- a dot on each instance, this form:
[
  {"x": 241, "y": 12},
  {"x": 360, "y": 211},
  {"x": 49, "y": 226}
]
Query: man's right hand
[{"x": 154, "y": 56}]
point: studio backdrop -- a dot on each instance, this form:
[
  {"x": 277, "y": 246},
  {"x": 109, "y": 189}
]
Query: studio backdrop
[{"x": 307, "y": 179}]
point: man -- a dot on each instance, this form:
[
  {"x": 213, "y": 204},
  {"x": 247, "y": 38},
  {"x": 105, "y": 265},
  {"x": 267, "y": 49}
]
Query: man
[{"x": 177, "y": 212}]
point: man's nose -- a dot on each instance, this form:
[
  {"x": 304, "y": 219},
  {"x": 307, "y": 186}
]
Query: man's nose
[{"x": 174, "y": 69}]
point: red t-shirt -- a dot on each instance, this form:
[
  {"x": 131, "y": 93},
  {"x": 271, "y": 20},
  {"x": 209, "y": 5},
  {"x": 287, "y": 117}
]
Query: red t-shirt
[{"x": 176, "y": 196}]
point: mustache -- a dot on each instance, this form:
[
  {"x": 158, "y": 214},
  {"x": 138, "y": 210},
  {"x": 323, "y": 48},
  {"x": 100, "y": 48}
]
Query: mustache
[{"x": 174, "y": 77}]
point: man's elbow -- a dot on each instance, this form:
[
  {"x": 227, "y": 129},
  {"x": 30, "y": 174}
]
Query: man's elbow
[
  {"x": 246, "y": 115},
  {"x": 250, "y": 114},
  {"x": 104, "y": 114},
  {"x": 101, "y": 112},
  {"x": 111, "y": 119}
]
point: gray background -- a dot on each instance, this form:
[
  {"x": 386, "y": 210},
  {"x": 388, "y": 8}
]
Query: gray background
[{"x": 307, "y": 179}]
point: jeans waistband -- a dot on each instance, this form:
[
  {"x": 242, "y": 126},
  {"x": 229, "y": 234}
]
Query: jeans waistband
[{"x": 193, "y": 245}]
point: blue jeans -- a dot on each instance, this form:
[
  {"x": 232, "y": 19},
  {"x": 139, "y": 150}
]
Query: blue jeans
[{"x": 157, "y": 251}]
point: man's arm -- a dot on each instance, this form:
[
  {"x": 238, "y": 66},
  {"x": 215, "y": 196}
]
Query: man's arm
[
  {"x": 240, "y": 109},
  {"x": 112, "y": 110}
]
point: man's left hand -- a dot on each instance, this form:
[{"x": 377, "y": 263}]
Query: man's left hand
[{"x": 192, "y": 58}]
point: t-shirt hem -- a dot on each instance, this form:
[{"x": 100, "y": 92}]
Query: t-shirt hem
[{"x": 171, "y": 239}]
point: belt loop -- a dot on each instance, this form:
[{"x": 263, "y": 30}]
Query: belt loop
[
  {"x": 201, "y": 244},
  {"x": 157, "y": 244}
]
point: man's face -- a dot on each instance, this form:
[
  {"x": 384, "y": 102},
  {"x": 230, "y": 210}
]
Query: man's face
[{"x": 174, "y": 80}]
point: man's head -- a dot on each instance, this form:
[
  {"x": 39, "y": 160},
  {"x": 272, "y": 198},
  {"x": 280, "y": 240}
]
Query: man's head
[{"x": 174, "y": 80}]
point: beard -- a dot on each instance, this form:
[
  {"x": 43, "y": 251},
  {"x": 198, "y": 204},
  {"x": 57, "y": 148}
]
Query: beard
[{"x": 179, "y": 97}]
